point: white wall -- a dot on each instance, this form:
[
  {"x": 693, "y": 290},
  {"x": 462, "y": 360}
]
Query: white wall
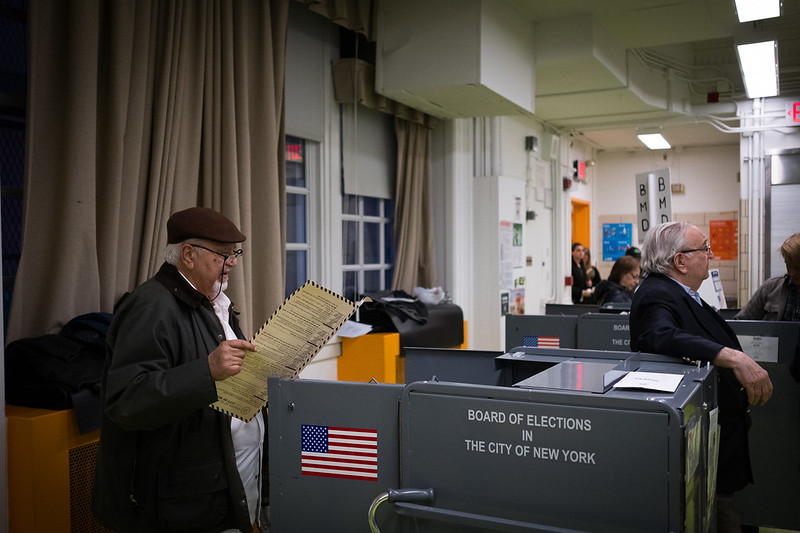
[
  {"x": 710, "y": 177},
  {"x": 543, "y": 199}
]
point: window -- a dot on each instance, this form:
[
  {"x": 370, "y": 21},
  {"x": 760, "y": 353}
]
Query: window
[
  {"x": 298, "y": 247},
  {"x": 368, "y": 245}
]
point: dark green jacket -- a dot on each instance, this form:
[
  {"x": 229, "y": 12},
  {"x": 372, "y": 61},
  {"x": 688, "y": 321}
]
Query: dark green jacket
[{"x": 166, "y": 460}]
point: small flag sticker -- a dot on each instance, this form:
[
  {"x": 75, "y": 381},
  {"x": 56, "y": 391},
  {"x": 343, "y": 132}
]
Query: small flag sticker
[
  {"x": 536, "y": 341},
  {"x": 348, "y": 453}
]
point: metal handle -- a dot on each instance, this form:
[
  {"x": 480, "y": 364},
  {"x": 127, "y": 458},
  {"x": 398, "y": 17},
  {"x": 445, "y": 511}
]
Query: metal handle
[{"x": 397, "y": 495}]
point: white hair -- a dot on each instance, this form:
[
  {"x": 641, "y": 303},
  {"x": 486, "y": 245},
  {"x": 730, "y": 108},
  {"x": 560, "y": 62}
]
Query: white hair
[
  {"x": 661, "y": 244},
  {"x": 172, "y": 252}
]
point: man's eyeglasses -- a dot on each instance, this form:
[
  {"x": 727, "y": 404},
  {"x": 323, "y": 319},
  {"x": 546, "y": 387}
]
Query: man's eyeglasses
[
  {"x": 234, "y": 253},
  {"x": 706, "y": 249}
]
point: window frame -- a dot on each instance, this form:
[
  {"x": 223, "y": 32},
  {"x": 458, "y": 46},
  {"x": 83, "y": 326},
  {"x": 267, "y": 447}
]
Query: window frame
[{"x": 385, "y": 265}]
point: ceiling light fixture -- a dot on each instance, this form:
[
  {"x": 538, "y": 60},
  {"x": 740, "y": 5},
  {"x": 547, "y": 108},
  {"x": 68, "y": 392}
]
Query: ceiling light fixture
[
  {"x": 759, "y": 64},
  {"x": 653, "y": 139},
  {"x": 748, "y": 10}
]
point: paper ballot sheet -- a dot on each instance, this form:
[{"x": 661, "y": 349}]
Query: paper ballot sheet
[
  {"x": 285, "y": 344},
  {"x": 650, "y": 381}
]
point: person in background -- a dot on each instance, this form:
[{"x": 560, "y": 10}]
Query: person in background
[
  {"x": 593, "y": 277},
  {"x": 581, "y": 286},
  {"x": 669, "y": 317},
  {"x": 166, "y": 460},
  {"x": 634, "y": 252},
  {"x": 778, "y": 298},
  {"x": 621, "y": 282}
]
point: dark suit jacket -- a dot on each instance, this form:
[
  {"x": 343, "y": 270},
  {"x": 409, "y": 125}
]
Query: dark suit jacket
[{"x": 665, "y": 319}]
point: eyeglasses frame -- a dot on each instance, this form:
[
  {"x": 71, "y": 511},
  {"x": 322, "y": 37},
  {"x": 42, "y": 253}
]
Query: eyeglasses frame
[
  {"x": 706, "y": 249},
  {"x": 235, "y": 253}
]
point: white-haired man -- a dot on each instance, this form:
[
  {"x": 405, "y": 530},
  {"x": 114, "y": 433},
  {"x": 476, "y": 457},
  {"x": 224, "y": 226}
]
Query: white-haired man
[{"x": 669, "y": 317}]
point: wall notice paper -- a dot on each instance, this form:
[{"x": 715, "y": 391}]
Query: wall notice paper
[
  {"x": 285, "y": 344},
  {"x": 650, "y": 381},
  {"x": 761, "y": 349}
]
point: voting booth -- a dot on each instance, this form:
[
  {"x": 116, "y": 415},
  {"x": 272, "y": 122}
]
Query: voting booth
[
  {"x": 772, "y": 500},
  {"x": 775, "y": 433},
  {"x": 567, "y": 441}
]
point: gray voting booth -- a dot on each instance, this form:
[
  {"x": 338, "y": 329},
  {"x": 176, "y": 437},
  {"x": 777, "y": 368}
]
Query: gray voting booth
[
  {"x": 775, "y": 433},
  {"x": 773, "y": 500},
  {"x": 554, "y": 447}
]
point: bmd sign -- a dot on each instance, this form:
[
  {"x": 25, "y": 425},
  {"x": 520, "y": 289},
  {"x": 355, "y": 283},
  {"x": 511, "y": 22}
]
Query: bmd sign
[{"x": 653, "y": 200}]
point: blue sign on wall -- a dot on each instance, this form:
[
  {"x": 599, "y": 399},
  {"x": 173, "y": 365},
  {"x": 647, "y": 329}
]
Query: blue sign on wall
[{"x": 616, "y": 239}]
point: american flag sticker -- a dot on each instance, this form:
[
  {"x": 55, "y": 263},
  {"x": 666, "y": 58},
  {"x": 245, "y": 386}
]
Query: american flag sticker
[
  {"x": 347, "y": 453},
  {"x": 536, "y": 341}
]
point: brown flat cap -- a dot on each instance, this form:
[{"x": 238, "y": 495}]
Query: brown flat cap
[{"x": 201, "y": 223}]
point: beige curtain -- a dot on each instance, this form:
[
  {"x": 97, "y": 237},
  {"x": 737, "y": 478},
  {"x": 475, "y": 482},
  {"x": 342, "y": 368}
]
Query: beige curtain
[
  {"x": 137, "y": 109},
  {"x": 414, "y": 262},
  {"x": 356, "y": 15},
  {"x": 354, "y": 83}
]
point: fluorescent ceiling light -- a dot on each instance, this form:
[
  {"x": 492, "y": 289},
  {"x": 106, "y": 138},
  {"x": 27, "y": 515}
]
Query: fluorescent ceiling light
[
  {"x": 654, "y": 141},
  {"x": 748, "y": 10},
  {"x": 759, "y": 64}
]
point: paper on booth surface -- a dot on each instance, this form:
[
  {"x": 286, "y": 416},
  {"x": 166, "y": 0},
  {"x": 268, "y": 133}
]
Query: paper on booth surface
[
  {"x": 285, "y": 344},
  {"x": 650, "y": 381}
]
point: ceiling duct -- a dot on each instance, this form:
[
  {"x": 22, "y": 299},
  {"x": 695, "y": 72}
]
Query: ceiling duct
[
  {"x": 583, "y": 72},
  {"x": 455, "y": 58}
]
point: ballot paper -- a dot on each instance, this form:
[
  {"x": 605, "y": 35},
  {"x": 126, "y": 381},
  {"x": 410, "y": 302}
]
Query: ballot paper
[
  {"x": 650, "y": 381},
  {"x": 285, "y": 344}
]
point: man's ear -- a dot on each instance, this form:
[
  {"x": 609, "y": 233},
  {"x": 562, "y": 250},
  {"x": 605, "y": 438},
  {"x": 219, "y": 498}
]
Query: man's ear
[
  {"x": 678, "y": 263},
  {"x": 188, "y": 255}
]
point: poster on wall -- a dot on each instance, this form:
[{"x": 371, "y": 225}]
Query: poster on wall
[
  {"x": 711, "y": 290},
  {"x": 506, "y": 234},
  {"x": 616, "y": 239},
  {"x": 516, "y": 303},
  {"x": 724, "y": 239}
]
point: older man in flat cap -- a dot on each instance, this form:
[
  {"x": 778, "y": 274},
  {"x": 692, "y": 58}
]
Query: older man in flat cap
[{"x": 167, "y": 461}]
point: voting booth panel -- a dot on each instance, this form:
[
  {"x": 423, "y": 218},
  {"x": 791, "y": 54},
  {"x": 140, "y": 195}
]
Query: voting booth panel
[
  {"x": 590, "y": 331},
  {"x": 499, "y": 458},
  {"x": 461, "y": 366},
  {"x": 775, "y": 432},
  {"x": 539, "y": 331},
  {"x": 603, "y": 331},
  {"x": 524, "y": 459},
  {"x": 317, "y": 483}
]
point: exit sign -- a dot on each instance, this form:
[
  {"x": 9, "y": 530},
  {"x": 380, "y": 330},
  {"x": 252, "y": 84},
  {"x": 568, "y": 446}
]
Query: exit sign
[{"x": 793, "y": 113}]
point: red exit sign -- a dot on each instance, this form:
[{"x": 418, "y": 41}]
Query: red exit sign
[
  {"x": 793, "y": 112},
  {"x": 294, "y": 152}
]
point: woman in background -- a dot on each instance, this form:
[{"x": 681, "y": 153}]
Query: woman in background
[
  {"x": 593, "y": 277},
  {"x": 621, "y": 282}
]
